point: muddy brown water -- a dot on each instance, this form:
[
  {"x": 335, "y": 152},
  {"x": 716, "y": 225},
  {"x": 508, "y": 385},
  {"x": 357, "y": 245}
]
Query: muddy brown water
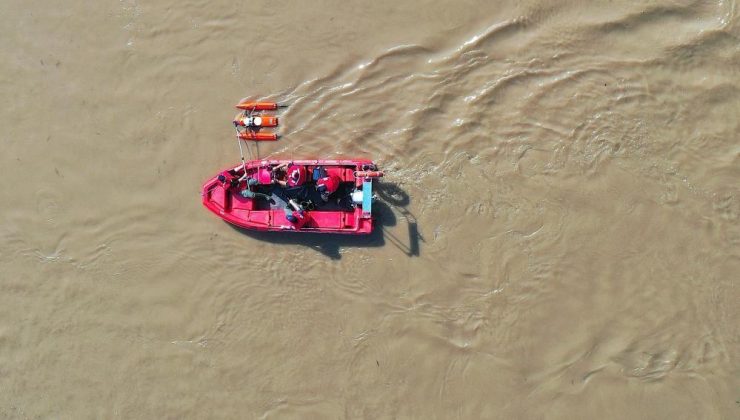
[{"x": 558, "y": 237}]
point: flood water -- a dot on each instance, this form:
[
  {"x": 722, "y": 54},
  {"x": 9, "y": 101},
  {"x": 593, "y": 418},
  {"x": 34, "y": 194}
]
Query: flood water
[{"x": 558, "y": 233}]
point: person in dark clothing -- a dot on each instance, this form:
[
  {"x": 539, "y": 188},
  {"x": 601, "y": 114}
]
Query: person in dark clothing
[
  {"x": 233, "y": 183},
  {"x": 228, "y": 180}
]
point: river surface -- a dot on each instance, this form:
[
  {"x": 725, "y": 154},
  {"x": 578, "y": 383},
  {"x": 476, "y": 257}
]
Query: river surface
[{"x": 559, "y": 225}]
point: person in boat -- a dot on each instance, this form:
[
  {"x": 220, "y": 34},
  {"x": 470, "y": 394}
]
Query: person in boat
[
  {"x": 228, "y": 180},
  {"x": 277, "y": 173},
  {"x": 296, "y": 215},
  {"x": 297, "y": 218},
  {"x": 327, "y": 185},
  {"x": 248, "y": 191},
  {"x": 231, "y": 182},
  {"x": 295, "y": 175}
]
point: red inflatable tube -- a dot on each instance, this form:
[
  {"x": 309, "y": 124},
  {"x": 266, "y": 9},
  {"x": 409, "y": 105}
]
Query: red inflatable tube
[
  {"x": 250, "y": 135},
  {"x": 368, "y": 174}
]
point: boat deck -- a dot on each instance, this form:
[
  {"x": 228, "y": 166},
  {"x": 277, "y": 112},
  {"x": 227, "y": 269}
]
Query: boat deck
[{"x": 306, "y": 195}]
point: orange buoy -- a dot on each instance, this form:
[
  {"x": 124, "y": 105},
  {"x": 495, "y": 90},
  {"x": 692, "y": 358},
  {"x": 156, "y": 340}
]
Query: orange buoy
[
  {"x": 251, "y": 135},
  {"x": 258, "y": 106},
  {"x": 368, "y": 174},
  {"x": 255, "y": 121}
]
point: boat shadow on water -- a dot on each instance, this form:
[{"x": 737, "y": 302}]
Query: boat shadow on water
[{"x": 392, "y": 200}]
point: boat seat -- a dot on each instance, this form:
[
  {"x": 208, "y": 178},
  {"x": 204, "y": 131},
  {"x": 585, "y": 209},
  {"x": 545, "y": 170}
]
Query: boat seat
[
  {"x": 344, "y": 173},
  {"x": 220, "y": 197},
  {"x": 332, "y": 219},
  {"x": 241, "y": 203}
]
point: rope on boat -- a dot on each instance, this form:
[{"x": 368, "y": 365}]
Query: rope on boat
[{"x": 241, "y": 151}]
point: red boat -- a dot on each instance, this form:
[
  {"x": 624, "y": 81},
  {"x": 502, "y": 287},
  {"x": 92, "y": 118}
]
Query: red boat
[{"x": 255, "y": 195}]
